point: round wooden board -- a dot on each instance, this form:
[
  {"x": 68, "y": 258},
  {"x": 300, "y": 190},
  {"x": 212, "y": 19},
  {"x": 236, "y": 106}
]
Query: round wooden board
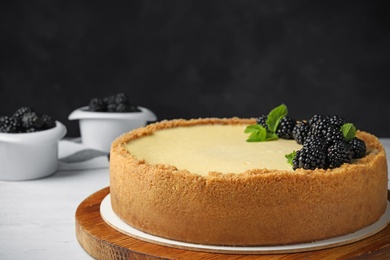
[{"x": 103, "y": 242}]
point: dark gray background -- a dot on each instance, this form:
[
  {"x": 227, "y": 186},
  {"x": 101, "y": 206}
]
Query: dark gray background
[{"x": 199, "y": 58}]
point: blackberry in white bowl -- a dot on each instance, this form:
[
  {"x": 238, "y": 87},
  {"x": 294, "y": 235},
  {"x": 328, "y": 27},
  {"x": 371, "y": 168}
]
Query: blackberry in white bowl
[
  {"x": 29, "y": 145},
  {"x": 106, "y": 118}
]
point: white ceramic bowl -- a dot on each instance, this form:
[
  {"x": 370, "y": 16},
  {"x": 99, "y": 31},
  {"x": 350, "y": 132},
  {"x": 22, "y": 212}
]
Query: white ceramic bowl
[
  {"x": 27, "y": 156},
  {"x": 99, "y": 129}
]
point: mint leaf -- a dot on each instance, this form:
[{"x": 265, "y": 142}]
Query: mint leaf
[
  {"x": 290, "y": 157},
  {"x": 349, "y": 131},
  {"x": 257, "y": 133},
  {"x": 271, "y": 136},
  {"x": 253, "y": 128},
  {"x": 275, "y": 116}
]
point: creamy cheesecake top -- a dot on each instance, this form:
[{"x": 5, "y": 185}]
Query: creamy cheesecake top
[{"x": 204, "y": 148}]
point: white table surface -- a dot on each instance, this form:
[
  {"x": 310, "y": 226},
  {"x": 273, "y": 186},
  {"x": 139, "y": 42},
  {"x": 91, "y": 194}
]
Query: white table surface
[{"x": 37, "y": 218}]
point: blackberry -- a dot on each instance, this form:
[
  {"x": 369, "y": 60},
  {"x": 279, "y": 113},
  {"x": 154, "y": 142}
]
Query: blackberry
[
  {"x": 111, "y": 107},
  {"x": 123, "y": 104},
  {"x": 335, "y": 120},
  {"x": 109, "y": 99},
  {"x": 25, "y": 120},
  {"x": 319, "y": 127},
  {"x": 261, "y": 120},
  {"x": 113, "y": 103},
  {"x": 32, "y": 122},
  {"x": 9, "y": 124},
  {"x": 97, "y": 105},
  {"x": 315, "y": 142},
  {"x": 121, "y": 98},
  {"x": 338, "y": 153},
  {"x": 285, "y": 128},
  {"x": 48, "y": 122},
  {"x": 301, "y": 131},
  {"x": 324, "y": 144},
  {"x": 358, "y": 147},
  {"x": 333, "y": 134},
  {"x": 122, "y": 108},
  {"x": 316, "y": 118},
  {"x": 21, "y": 111},
  {"x": 309, "y": 158}
]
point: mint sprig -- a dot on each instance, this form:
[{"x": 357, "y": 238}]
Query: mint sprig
[
  {"x": 258, "y": 133},
  {"x": 275, "y": 116},
  {"x": 349, "y": 131},
  {"x": 290, "y": 157}
]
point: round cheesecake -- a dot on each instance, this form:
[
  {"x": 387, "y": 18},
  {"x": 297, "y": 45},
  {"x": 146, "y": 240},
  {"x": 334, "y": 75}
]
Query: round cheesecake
[{"x": 200, "y": 181}]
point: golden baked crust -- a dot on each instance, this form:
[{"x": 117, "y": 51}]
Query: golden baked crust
[{"x": 256, "y": 207}]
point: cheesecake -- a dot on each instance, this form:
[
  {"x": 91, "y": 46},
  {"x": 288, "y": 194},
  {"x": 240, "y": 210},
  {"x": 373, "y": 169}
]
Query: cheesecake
[{"x": 200, "y": 181}]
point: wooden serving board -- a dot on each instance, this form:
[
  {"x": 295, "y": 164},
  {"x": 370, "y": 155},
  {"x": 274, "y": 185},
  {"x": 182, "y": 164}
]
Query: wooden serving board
[{"x": 103, "y": 242}]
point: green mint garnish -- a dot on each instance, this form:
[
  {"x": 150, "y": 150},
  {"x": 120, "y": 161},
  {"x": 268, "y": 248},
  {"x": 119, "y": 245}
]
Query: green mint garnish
[
  {"x": 349, "y": 131},
  {"x": 275, "y": 116},
  {"x": 290, "y": 157},
  {"x": 258, "y": 133}
]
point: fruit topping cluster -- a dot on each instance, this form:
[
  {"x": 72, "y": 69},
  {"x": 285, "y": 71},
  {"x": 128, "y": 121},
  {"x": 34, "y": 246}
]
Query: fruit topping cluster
[
  {"x": 327, "y": 141},
  {"x": 26, "y": 120},
  {"x": 113, "y": 103}
]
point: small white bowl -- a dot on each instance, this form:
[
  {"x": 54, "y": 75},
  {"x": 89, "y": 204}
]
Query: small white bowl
[
  {"x": 28, "y": 156},
  {"x": 99, "y": 129}
]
